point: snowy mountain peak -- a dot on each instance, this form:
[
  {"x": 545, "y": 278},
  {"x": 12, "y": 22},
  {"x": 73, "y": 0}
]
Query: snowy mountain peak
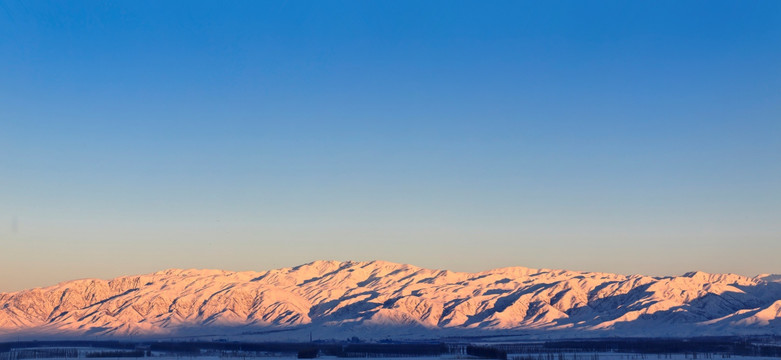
[{"x": 381, "y": 299}]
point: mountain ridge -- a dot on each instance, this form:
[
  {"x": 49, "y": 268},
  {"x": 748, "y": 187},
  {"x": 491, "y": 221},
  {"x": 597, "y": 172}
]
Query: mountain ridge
[{"x": 385, "y": 299}]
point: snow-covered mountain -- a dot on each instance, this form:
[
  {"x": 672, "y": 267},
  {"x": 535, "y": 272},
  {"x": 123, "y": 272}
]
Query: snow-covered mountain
[{"x": 381, "y": 299}]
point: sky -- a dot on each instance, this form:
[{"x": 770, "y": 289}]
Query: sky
[{"x": 614, "y": 136}]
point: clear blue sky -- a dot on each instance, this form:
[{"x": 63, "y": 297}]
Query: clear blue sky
[{"x": 618, "y": 136}]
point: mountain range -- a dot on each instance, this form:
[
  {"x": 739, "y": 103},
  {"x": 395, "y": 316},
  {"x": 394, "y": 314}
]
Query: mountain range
[{"x": 383, "y": 300}]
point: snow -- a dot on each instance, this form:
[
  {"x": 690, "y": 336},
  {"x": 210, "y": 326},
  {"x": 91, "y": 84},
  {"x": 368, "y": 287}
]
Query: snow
[{"x": 379, "y": 299}]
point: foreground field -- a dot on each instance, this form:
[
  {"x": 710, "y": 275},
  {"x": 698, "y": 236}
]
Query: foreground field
[
  {"x": 576, "y": 349},
  {"x": 539, "y": 356}
]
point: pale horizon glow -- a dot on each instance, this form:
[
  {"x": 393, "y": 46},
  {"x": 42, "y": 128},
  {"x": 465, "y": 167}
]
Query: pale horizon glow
[{"x": 137, "y": 136}]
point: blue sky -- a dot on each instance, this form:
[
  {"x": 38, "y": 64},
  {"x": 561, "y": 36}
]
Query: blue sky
[{"x": 631, "y": 137}]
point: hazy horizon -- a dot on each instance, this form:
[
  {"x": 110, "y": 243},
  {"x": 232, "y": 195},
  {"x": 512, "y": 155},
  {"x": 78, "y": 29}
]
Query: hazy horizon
[{"x": 621, "y": 137}]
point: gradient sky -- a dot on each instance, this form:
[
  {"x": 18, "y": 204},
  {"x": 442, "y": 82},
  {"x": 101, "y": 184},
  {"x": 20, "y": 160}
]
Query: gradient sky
[{"x": 617, "y": 136}]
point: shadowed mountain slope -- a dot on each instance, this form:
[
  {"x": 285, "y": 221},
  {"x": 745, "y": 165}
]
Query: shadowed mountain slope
[{"x": 379, "y": 299}]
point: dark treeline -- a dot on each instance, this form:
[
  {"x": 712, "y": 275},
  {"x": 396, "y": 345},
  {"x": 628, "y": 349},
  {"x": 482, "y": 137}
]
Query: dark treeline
[
  {"x": 394, "y": 349},
  {"x": 730, "y": 346},
  {"x": 307, "y": 350},
  {"x": 197, "y": 346},
  {"x": 51, "y": 353},
  {"x": 309, "y": 353},
  {"x": 668, "y": 346},
  {"x": 486, "y": 352},
  {"x": 116, "y": 354}
]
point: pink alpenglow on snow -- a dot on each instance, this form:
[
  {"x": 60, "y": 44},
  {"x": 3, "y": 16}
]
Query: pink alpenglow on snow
[{"x": 381, "y": 299}]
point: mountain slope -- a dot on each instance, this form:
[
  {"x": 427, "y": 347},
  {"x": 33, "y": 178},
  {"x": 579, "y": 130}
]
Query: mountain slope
[{"x": 381, "y": 299}]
